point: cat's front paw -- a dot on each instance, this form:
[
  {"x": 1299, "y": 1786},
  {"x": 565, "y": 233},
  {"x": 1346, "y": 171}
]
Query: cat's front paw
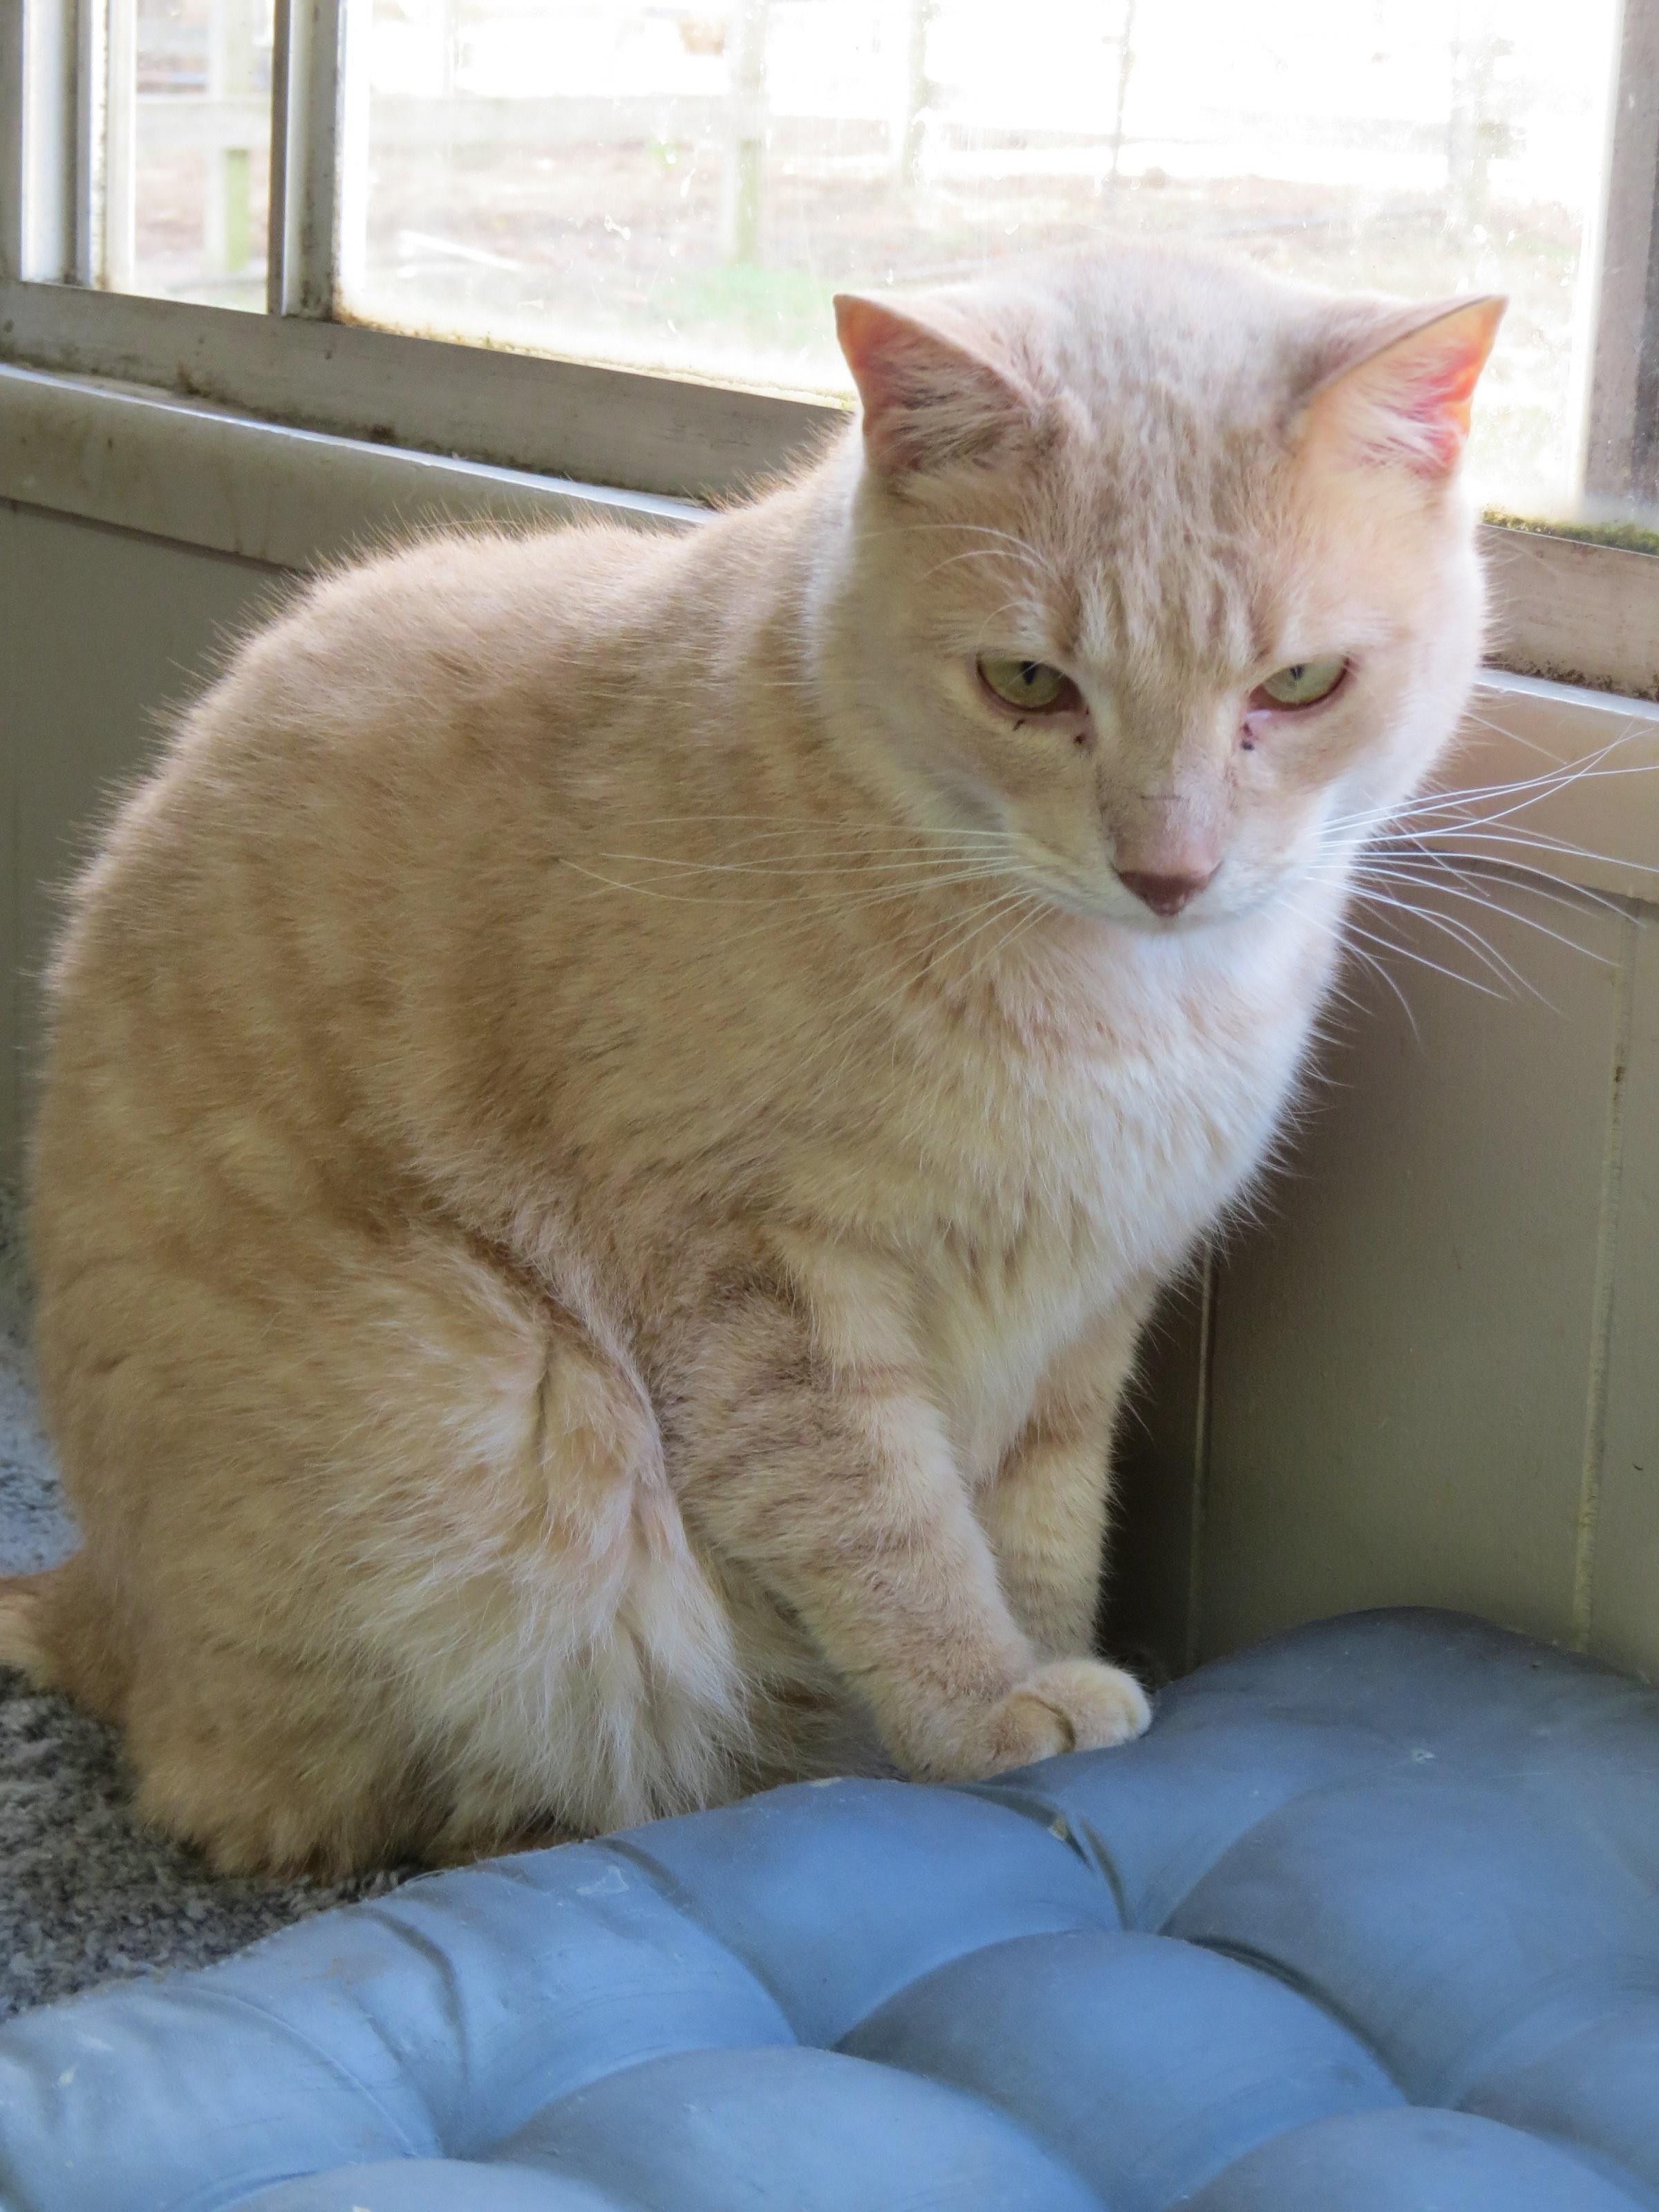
[{"x": 1071, "y": 1704}]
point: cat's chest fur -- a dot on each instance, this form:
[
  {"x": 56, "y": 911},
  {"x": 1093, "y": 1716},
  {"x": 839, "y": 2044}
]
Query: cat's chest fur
[{"x": 1057, "y": 1188}]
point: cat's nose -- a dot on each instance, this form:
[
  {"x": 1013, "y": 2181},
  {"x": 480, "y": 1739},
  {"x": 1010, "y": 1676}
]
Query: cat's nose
[{"x": 1165, "y": 894}]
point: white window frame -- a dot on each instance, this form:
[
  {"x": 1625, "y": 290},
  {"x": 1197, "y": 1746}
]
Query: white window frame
[
  {"x": 300, "y": 362},
  {"x": 1584, "y": 614}
]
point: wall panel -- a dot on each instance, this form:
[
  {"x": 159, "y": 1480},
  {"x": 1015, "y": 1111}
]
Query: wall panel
[
  {"x": 1404, "y": 1348},
  {"x": 99, "y": 630},
  {"x": 1622, "y": 1566}
]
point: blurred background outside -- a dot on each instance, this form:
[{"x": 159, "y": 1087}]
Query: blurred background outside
[{"x": 680, "y": 188}]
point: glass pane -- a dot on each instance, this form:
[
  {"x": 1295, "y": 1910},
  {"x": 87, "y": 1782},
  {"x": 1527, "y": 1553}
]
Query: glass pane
[
  {"x": 200, "y": 152},
  {"x": 680, "y": 185}
]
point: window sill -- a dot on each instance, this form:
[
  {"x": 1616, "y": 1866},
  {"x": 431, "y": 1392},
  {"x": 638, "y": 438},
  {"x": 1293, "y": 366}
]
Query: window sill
[{"x": 206, "y": 476}]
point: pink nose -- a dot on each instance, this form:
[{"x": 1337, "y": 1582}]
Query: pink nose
[{"x": 1163, "y": 893}]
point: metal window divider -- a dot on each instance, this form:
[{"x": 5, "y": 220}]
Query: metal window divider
[
  {"x": 40, "y": 128},
  {"x": 319, "y": 154},
  {"x": 68, "y": 87},
  {"x": 1618, "y": 412}
]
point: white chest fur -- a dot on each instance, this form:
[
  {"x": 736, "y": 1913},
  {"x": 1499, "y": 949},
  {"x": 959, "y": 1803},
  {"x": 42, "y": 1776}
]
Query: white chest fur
[{"x": 1075, "y": 1187}]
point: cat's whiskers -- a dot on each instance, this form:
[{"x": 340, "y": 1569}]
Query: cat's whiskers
[
  {"x": 803, "y": 841},
  {"x": 1523, "y": 791},
  {"x": 795, "y": 909},
  {"x": 1350, "y": 947},
  {"x": 1472, "y": 845},
  {"x": 1016, "y": 543},
  {"x": 939, "y": 955},
  {"x": 1027, "y": 907},
  {"x": 1377, "y": 884},
  {"x": 974, "y": 553},
  {"x": 1012, "y": 603},
  {"x": 1347, "y": 875},
  {"x": 1462, "y": 933},
  {"x": 925, "y": 881},
  {"x": 805, "y": 825},
  {"x": 1634, "y": 727},
  {"x": 1033, "y": 908},
  {"x": 1436, "y": 880},
  {"x": 1470, "y": 713},
  {"x": 756, "y": 872},
  {"x": 1351, "y": 926},
  {"x": 847, "y": 864},
  {"x": 1380, "y": 967},
  {"x": 1473, "y": 870},
  {"x": 1537, "y": 842}
]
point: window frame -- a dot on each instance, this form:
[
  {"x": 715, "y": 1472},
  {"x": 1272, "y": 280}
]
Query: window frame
[
  {"x": 301, "y": 361},
  {"x": 1583, "y": 613}
]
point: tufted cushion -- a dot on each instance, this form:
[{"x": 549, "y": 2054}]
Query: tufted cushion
[{"x": 1369, "y": 1923}]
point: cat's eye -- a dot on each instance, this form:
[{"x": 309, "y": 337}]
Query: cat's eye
[
  {"x": 1031, "y": 687},
  {"x": 1304, "y": 683}
]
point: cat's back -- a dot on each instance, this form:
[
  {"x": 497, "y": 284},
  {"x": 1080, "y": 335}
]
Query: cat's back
[
  {"x": 353, "y": 782},
  {"x": 357, "y": 735},
  {"x": 385, "y": 655}
]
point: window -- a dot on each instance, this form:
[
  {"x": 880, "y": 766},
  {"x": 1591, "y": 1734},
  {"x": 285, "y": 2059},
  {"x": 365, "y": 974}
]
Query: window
[
  {"x": 681, "y": 187},
  {"x": 621, "y": 219},
  {"x": 196, "y": 211}
]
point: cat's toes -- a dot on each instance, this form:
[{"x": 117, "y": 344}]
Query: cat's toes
[
  {"x": 1073, "y": 1704},
  {"x": 1094, "y": 1704}
]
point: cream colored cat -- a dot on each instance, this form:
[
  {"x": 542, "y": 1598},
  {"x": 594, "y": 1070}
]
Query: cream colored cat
[{"x": 617, "y": 1103}]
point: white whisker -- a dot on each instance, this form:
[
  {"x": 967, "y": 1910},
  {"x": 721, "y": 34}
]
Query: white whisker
[
  {"x": 1512, "y": 875},
  {"x": 1562, "y": 848},
  {"x": 1474, "y": 898},
  {"x": 1352, "y": 927},
  {"x": 1355, "y": 951},
  {"x": 914, "y": 863},
  {"x": 1463, "y": 933}
]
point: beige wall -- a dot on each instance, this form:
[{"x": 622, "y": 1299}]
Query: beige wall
[
  {"x": 100, "y": 628},
  {"x": 1426, "y": 1373}
]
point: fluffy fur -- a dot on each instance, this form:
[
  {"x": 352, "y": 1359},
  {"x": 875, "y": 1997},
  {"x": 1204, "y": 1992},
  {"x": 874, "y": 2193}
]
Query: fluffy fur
[{"x": 612, "y": 1120}]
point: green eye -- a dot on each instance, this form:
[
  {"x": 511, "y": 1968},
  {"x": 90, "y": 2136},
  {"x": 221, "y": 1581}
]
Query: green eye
[
  {"x": 1031, "y": 685},
  {"x": 1304, "y": 683}
]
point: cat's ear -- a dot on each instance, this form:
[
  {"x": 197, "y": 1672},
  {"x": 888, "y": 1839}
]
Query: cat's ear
[
  {"x": 1405, "y": 403},
  {"x": 928, "y": 400}
]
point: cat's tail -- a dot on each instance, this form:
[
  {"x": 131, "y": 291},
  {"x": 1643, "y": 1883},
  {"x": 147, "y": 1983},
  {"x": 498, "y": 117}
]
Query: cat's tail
[
  {"x": 23, "y": 1624},
  {"x": 60, "y": 1629}
]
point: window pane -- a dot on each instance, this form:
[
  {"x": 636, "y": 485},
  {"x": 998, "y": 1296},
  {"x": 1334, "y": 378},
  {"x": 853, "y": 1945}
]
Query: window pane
[
  {"x": 681, "y": 184},
  {"x": 194, "y": 224}
]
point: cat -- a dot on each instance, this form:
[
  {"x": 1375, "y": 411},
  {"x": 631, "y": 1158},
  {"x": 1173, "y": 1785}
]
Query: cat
[{"x": 617, "y": 1103}]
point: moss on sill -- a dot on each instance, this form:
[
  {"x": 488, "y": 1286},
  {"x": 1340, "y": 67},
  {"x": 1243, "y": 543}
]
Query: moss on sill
[{"x": 1628, "y": 537}]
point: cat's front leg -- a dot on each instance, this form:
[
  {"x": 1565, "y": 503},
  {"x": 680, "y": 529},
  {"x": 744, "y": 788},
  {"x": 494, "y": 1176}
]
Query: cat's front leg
[
  {"x": 1046, "y": 1508},
  {"x": 1046, "y": 1513},
  {"x": 829, "y": 1479}
]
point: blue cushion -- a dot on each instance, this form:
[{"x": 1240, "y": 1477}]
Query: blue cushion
[{"x": 1368, "y": 1923}]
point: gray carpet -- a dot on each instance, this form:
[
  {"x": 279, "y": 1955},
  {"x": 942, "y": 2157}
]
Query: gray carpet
[{"x": 86, "y": 1895}]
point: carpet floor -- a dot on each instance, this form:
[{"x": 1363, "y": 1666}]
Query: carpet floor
[{"x": 86, "y": 1894}]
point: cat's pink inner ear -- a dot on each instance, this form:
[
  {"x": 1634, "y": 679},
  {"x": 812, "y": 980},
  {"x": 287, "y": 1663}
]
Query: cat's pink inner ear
[
  {"x": 928, "y": 401},
  {"x": 1407, "y": 403}
]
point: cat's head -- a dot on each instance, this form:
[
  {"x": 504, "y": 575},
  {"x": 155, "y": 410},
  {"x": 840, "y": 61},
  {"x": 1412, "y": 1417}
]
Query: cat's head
[{"x": 1158, "y": 568}]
